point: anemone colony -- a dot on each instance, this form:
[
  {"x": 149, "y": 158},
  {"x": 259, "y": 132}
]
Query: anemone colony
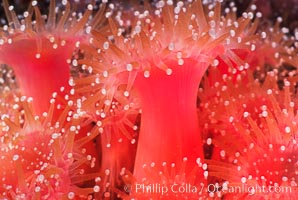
[{"x": 187, "y": 94}]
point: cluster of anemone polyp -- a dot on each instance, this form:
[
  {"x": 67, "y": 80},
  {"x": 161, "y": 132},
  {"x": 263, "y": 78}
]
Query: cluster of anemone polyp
[{"x": 152, "y": 100}]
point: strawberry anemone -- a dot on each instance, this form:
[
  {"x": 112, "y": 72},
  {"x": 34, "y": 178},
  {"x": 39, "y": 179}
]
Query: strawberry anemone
[
  {"x": 39, "y": 50},
  {"x": 41, "y": 157},
  {"x": 263, "y": 121},
  {"x": 223, "y": 100},
  {"x": 222, "y": 97},
  {"x": 116, "y": 117},
  {"x": 274, "y": 48},
  {"x": 162, "y": 60}
]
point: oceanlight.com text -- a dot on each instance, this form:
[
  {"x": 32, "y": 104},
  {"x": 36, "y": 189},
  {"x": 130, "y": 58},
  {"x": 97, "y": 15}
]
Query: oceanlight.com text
[{"x": 212, "y": 189}]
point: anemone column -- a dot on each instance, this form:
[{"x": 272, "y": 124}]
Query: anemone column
[
  {"x": 38, "y": 74},
  {"x": 169, "y": 125}
]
